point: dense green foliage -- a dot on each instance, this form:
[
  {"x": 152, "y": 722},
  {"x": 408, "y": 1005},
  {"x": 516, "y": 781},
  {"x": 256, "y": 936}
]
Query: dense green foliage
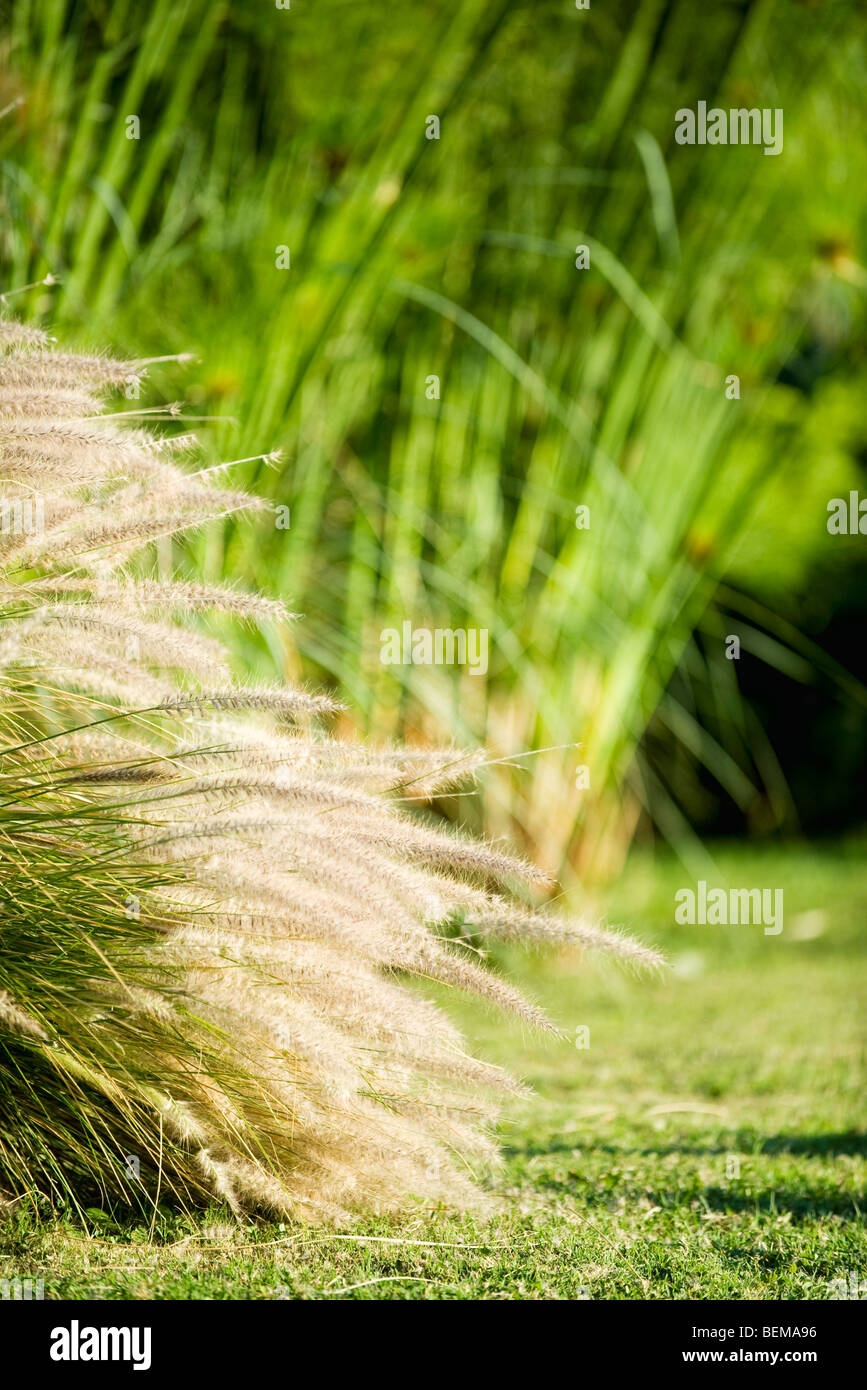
[{"x": 558, "y": 387}]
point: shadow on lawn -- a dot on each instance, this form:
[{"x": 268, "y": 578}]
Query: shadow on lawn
[
  {"x": 758, "y": 1193},
  {"x": 851, "y": 1142},
  {"x": 801, "y": 1201},
  {"x": 771, "y": 1202}
]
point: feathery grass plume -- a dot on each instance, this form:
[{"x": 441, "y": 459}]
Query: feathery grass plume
[{"x": 211, "y": 911}]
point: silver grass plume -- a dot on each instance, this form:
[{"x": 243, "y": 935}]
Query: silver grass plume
[{"x": 211, "y": 912}]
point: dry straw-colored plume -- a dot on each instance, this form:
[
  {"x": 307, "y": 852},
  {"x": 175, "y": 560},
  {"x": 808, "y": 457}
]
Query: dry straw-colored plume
[{"x": 211, "y": 912}]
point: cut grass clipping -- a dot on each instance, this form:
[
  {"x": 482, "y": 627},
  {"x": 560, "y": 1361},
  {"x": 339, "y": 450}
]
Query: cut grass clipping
[{"x": 212, "y": 910}]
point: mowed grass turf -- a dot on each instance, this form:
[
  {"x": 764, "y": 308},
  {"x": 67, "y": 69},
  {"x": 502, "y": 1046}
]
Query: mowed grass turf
[{"x": 709, "y": 1143}]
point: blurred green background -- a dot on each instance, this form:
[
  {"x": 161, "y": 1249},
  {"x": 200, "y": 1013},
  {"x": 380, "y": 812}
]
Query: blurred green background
[{"x": 412, "y": 258}]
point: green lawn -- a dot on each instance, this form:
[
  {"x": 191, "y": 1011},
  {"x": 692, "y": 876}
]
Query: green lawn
[{"x": 710, "y": 1143}]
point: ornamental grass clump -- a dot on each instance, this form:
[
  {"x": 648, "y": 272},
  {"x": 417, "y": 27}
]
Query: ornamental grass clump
[{"x": 212, "y": 912}]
